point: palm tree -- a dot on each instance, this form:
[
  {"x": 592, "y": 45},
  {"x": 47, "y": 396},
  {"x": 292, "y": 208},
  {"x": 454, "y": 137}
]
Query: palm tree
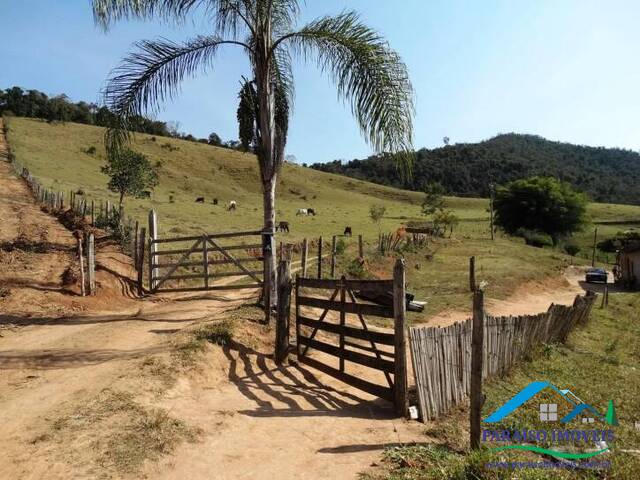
[{"x": 366, "y": 71}]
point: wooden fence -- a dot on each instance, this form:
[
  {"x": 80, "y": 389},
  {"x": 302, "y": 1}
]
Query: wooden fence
[{"x": 442, "y": 356}]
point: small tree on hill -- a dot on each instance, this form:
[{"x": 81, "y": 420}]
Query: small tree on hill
[
  {"x": 433, "y": 201},
  {"x": 540, "y": 204},
  {"x": 376, "y": 212},
  {"x": 130, "y": 174}
]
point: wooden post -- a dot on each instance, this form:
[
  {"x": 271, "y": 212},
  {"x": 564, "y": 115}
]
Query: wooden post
[
  {"x": 320, "y": 257},
  {"x": 93, "y": 214},
  {"x": 472, "y": 274},
  {"x": 605, "y": 297},
  {"x": 140, "y": 266},
  {"x": 305, "y": 252},
  {"x": 91, "y": 263},
  {"x": 595, "y": 241},
  {"x": 360, "y": 247},
  {"x": 477, "y": 334},
  {"x": 333, "y": 257},
  {"x": 284, "y": 309},
  {"x": 135, "y": 242},
  {"x": 400, "y": 343},
  {"x": 154, "y": 272},
  {"x": 343, "y": 319},
  {"x": 81, "y": 258},
  {"x": 205, "y": 259}
]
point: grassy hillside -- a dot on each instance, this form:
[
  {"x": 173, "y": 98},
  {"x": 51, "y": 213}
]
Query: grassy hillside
[
  {"x": 55, "y": 153},
  {"x": 605, "y": 174}
]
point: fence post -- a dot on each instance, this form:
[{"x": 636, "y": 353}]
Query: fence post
[
  {"x": 267, "y": 251},
  {"x": 135, "y": 241},
  {"x": 472, "y": 274},
  {"x": 284, "y": 308},
  {"x": 477, "y": 334},
  {"x": 320, "y": 257},
  {"x": 595, "y": 243},
  {"x": 140, "y": 266},
  {"x": 360, "y": 247},
  {"x": 153, "y": 247},
  {"x": 93, "y": 214},
  {"x": 305, "y": 252},
  {"x": 81, "y": 258},
  {"x": 400, "y": 339},
  {"x": 91, "y": 263},
  {"x": 205, "y": 260},
  {"x": 333, "y": 257}
]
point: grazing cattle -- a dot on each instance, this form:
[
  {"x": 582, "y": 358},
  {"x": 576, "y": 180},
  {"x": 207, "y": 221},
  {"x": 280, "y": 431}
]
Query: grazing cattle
[
  {"x": 200, "y": 200},
  {"x": 311, "y": 211},
  {"x": 232, "y": 205},
  {"x": 215, "y": 201},
  {"x": 302, "y": 211},
  {"x": 282, "y": 227},
  {"x": 347, "y": 232}
]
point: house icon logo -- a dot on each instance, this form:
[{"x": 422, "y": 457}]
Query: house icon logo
[{"x": 548, "y": 412}]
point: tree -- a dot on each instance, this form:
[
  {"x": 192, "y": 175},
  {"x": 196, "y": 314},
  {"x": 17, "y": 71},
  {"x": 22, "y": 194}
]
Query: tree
[
  {"x": 214, "y": 139},
  {"x": 445, "y": 219},
  {"x": 433, "y": 200},
  {"x": 376, "y": 213},
  {"x": 540, "y": 204},
  {"x": 130, "y": 174},
  {"x": 366, "y": 71}
]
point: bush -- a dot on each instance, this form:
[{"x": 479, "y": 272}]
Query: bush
[
  {"x": 91, "y": 150},
  {"x": 572, "y": 249},
  {"x": 534, "y": 238},
  {"x": 355, "y": 269},
  {"x": 216, "y": 333},
  {"x": 340, "y": 246}
]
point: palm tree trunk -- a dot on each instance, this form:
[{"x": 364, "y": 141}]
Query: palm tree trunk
[{"x": 269, "y": 207}]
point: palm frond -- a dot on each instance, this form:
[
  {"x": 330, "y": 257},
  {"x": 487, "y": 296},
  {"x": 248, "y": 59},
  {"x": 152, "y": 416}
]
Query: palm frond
[
  {"x": 152, "y": 74},
  {"x": 105, "y": 12},
  {"x": 368, "y": 74}
]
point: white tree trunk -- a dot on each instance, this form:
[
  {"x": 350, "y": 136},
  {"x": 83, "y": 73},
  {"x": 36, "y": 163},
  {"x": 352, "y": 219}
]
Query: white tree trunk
[{"x": 269, "y": 205}]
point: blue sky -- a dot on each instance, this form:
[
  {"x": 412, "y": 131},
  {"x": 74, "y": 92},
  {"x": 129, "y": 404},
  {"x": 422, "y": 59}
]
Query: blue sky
[{"x": 566, "y": 70}]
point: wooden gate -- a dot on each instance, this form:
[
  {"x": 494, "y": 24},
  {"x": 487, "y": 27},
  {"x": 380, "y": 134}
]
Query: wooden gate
[
  {"x": 186, "y": 264},
  {"x": 346, "y": 336}
]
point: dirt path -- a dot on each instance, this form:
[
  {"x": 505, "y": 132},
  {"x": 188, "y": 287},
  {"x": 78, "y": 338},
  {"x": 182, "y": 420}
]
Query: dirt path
[{"x": 530, "y": 298}]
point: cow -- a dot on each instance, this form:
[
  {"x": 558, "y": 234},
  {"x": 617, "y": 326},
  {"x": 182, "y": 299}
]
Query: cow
[
  {"x": 232, "y": 205},
  {"x": 282, "y": 227},
  {"x": 311, "y": 211},
  {"x": 215, "y": 201},
  {"x": 302, "y": 211},
  {"x": 347, "y": 232},
  {"x": 200, "y": 200}
]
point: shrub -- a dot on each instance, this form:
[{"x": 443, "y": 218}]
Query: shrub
[
  {"x": 355, "y": 269},
  {"x": 535, "y": 238},
  {"x": 572, "y": 249},
  {"x": 216, "y": 333},
  {"x": 91, "y": 150},
  {"x": 340, "y": 246}
]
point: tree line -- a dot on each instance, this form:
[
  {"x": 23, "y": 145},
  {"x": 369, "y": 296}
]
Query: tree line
[
  {"x": 604, "y": 174},
  {"x": 16, "y": 101}
]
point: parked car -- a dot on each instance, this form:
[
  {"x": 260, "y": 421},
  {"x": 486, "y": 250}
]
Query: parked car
[{"x": 596, "y": 275}]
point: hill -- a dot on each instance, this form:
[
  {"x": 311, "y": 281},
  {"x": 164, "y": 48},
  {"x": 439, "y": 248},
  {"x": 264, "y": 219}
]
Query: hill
[
  {"x": 466, "y": 169},
  {"x": 56, "y": 153}
]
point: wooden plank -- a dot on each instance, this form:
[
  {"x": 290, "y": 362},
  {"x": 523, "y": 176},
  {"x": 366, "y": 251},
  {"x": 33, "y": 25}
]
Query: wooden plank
[
  {"x": 476, "y": 369},
  {"x": 210, "y": 236},
  {"x": 322, "y": 315},
  {"x": 343, "y": 315},
  {"x": 303, "y": 261},
  {"x": 212, "y": 288},
  {"x": 182, "y": 250},
  {"x": 361, "y": 308},
  {"x": 355, "y": 357},
  {"x": 223, "y": 251},
  {"x": 141, "y": 247},
  {"x": 371, "y": 286},
  {"x": 210, "y": 262},
  {"x": 211, "y": 275},
  {"x": 352, "y": 332},
  {"x": 284, "y": 311},
  {"x": 153, "y": 235},
  {"x": 156, "y": 280},
  {"x": 205, "y": 262},
  {"x": 91, "y": 263},
  {"x": 372, "y": 388},
  {"x": 367, "y": 348},
  {"x": 320, "y": 257}
]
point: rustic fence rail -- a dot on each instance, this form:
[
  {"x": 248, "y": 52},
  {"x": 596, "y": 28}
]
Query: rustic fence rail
[{"x": 442, "y": 355}]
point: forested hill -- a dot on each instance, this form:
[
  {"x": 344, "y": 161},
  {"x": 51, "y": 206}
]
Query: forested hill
[{"x": 605, "y": 174}]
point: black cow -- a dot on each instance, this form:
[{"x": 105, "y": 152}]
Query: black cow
[
  {"x": 215, "y": 201},
  {"x": 311, "y": 211},
  {"x": 200, "y": 200},
  {"x": 282, "y": 227},
  {"x": 347, "y": 232}
]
